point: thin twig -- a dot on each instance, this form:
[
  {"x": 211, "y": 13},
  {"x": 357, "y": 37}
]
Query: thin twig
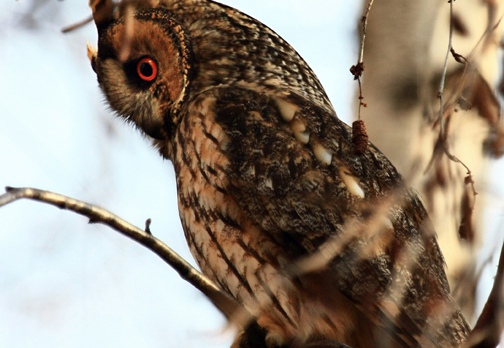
[
  {"x": 358, "y": 69},
  {"x": 77, "y": 25},
  {"x": 443, "y": 75},
  {"x": 442, "y": 134},
  {"x": 364, "y": 30},
  {"x": 220, "y": 299},
  {"x": 459, "y": 58}
]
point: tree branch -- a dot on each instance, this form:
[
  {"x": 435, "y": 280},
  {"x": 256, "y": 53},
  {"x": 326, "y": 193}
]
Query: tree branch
[
  {"x": 485, "y": 334},
  {"x": 227, "y": 305}
]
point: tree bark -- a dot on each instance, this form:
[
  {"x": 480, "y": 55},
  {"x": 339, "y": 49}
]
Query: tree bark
[{"x": 405, "y": 51}]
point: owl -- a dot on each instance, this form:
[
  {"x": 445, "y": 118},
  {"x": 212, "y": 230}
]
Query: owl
[{"x": 321, "y": 242}]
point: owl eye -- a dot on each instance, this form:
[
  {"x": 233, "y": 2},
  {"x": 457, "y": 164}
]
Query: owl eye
[{"x": 147, "y": 69}]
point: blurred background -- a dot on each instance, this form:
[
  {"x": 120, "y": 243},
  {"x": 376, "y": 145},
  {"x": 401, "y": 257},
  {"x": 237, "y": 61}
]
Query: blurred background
[{"x": 66, "y": 283}]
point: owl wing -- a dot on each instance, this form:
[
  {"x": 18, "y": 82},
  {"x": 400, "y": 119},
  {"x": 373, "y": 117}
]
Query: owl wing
[{"x": 293, "y": 170}]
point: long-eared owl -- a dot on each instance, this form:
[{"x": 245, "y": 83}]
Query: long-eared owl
[{"x": 318, "y": 241}]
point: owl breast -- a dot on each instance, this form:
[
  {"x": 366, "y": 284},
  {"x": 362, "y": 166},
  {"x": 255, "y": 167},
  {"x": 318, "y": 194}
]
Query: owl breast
[{"x": 231, "y": 247}]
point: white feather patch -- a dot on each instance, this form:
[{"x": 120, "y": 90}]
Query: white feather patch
[
  {"x": 322, "y": 153},
  {"x": 299, "y": 129},
  {"x": 351, "y": 182},
  {"x": 287, "y": 110}
]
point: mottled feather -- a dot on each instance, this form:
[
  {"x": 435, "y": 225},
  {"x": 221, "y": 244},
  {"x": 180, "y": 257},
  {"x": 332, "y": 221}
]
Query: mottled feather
[{"x": 318, "y": 241}]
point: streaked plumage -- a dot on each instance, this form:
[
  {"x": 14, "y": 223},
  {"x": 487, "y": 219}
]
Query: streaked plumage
[{"x": 317, "y": 240}]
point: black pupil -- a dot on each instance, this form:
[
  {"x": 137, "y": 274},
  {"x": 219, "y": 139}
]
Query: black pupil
[{"x": 146, "y": 69}]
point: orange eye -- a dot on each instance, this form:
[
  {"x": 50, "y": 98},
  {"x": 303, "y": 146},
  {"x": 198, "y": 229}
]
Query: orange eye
[{"x": 147, "y": 69}]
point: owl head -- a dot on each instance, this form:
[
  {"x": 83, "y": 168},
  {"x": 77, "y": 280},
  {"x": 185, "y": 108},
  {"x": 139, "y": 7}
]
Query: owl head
[
  {"x": 143, "y": 64},
  {"x": 154, "y": 56}
]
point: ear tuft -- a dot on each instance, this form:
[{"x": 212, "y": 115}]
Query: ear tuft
[{"x": 103, "y": 11}]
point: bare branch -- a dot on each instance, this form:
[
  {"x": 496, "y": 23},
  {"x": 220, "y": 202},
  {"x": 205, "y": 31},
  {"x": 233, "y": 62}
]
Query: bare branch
[
  {"x": 443, "y": 75},
  {"x": 364, "y": 30},
  {"x": 220, "y": 299},
  {"x": 358, "y": 69},
  {"x": 77, "y": 25}
]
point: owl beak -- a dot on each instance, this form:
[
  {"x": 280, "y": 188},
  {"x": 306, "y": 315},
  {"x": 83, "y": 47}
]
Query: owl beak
[
  {"x": 103, "y": 12},
  {"x": 92, "y": 54}
]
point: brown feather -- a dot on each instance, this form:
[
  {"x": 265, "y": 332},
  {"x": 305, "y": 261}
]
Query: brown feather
[{"x": 317, "y": 241}]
